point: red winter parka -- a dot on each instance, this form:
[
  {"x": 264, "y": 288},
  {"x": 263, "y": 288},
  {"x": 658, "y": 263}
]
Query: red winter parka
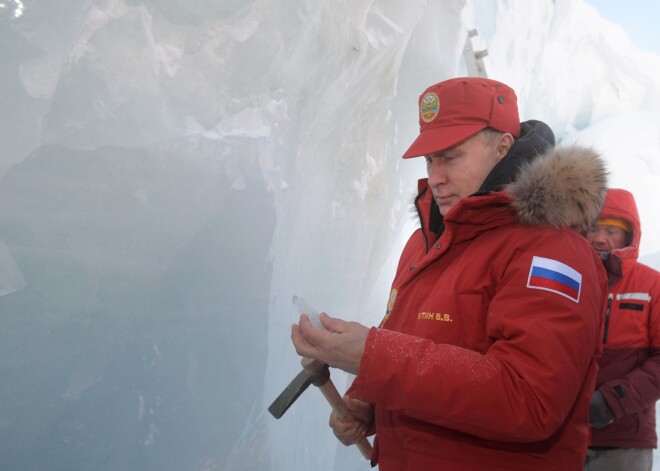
[
  {"x": 629, "y": 376},
  {"x": 486, "y": 359}
]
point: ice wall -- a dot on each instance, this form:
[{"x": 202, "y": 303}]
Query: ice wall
[
  {"x": 150, "y": 150},
  {"x": 173, "y": 172},
  {"x": 138, "y": 213}
]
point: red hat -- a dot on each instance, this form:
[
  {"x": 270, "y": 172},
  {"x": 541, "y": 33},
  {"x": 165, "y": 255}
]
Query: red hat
[{"x": 453, "y": 110}]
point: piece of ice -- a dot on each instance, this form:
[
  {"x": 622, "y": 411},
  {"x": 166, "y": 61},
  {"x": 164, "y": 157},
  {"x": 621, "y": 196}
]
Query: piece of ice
[{"x": 305, "y": 308}]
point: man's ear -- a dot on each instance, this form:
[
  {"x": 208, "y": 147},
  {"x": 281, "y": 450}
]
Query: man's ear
[{"x": 504, "y": 144}]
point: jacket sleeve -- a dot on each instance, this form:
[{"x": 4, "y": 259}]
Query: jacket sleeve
[
  {"x": 521, "y": 389},
  {"x": 640, "y": 388}
]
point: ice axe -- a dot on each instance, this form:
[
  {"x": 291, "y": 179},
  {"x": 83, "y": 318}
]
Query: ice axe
[{"x": 316, "y": 373}]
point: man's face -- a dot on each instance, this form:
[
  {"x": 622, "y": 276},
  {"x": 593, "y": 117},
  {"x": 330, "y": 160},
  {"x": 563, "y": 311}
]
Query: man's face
[
  {"x": 458, "y": 172},
  {"x": 606, "y": 238}
]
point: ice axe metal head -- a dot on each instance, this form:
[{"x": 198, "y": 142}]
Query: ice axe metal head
[{"x": 314, "y": 372}]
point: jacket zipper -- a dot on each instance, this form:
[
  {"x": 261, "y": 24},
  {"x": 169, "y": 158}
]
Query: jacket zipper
[{"x": 610, "y": 298}]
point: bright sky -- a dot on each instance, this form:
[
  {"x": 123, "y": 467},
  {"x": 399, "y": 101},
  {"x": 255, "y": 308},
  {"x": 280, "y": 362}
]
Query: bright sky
[{"x": 639, "y": 18}]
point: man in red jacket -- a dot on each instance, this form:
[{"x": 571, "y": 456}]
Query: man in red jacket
[
  {"x": 486, "y": 357},
  {"x": 622, "y": 411}
]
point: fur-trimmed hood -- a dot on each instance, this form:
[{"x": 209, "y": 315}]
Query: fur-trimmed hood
[{"x": 563, "y": 187}]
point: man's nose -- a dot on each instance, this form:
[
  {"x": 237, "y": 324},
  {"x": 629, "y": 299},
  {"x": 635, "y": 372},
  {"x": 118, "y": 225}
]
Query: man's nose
[
  {"x": 437, "y": 174},
  {"x": 599, "y": 237}
]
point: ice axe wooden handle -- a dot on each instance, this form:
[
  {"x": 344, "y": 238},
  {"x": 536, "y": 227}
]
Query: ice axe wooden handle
[{"x": 338, "y": 406}]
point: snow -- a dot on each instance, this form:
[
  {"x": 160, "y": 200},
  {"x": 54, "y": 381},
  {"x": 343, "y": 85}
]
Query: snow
[{"x": 173, "y": 173}]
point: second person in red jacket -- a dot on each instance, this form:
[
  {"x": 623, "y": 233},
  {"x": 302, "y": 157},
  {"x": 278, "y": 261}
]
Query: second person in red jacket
[{"x": 623, "y": 406}]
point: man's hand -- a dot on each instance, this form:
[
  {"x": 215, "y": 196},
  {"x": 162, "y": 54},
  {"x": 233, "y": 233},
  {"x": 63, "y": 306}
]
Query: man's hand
[
  {"x": 341, "y": 345},
  {"x": 351, "y": 431},
  {"x": 600, "y": 414}
]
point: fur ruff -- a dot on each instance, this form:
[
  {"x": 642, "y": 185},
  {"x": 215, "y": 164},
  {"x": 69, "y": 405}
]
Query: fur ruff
[{"x": 564, "y": 187}]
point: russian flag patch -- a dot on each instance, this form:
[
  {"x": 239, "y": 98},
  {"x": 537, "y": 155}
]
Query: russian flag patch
[{"x": 551, "y": 275}]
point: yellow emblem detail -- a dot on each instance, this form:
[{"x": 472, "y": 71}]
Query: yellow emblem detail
[
  {"x": 429, "y": 107},
  {"x": 390, "y": 306}
]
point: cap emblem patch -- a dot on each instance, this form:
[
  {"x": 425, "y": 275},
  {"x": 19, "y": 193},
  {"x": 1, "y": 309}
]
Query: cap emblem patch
[{"x": 429, "y": 107}]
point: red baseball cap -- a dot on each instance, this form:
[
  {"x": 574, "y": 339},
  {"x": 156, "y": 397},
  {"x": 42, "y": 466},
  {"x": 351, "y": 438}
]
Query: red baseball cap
[{"x": 453, "y": 110}]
